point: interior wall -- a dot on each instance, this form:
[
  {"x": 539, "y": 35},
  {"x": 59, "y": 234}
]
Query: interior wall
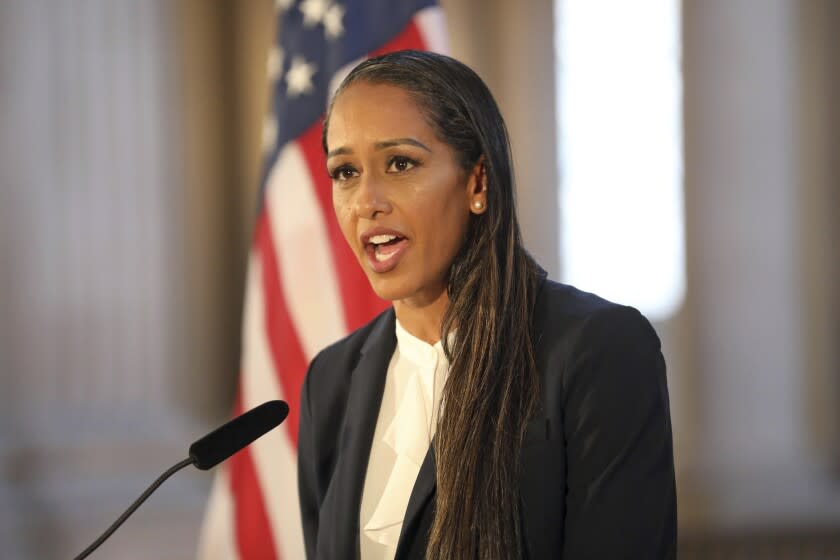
[
  {"x": 90, "y": 281},
  {"x": 224, "y": 46},
  {"x": 819, "y": 190},
  {"x": 760, "y": 192},
  {"x": 741, "y": 172},
  {"x": 212, "y": 267}
]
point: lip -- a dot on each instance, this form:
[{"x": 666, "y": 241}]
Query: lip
[{"x": 394, "y": 257}]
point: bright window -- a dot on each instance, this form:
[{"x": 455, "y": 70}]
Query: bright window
[{"x": 619, "y": 88}]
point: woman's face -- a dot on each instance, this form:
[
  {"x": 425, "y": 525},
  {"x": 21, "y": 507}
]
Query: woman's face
[{"x": 401, "y": 198}]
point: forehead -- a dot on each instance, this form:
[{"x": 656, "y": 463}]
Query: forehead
[{"x": 373, "y": 112}]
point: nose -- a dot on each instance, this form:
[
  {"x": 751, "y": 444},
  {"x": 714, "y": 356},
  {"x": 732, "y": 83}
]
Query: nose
[{"x": 371, "y": 198}]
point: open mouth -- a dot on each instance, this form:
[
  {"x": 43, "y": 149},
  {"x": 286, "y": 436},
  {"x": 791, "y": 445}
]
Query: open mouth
[
  {"x": 384, "y": 246},
  {"x": 384, "y": 250}
]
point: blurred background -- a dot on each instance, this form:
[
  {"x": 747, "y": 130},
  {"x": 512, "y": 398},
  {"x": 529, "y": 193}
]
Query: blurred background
[{"x": 678, "y": 156}]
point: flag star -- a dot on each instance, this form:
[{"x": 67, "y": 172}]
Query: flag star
[
  {"x": 333, "y": 25},
  {"x": 269, "y": 134},
  {"x": 299, "y": 77},
  {"x": 282, "y": 5},
  {"x": 274, "y": 64},
  {"x": 313, "y": 11}
]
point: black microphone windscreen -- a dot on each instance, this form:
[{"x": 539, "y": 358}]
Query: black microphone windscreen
[{"x": 226, "y": 440}]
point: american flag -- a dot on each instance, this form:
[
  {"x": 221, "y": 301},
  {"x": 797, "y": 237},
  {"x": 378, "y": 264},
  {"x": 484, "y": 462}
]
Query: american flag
[{"x": 305, "y": 288}]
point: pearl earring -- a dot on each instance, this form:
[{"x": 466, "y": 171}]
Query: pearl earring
[{"x": 478, "y": 205}]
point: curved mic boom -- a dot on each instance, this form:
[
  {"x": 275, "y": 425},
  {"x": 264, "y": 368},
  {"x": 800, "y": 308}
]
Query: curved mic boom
[{"x": 209, "y": 451}]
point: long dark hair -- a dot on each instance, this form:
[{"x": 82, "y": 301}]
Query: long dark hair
[{"x": 492, "y": 385}]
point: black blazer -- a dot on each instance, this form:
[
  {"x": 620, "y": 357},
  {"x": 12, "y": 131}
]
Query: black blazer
[{"x": 597, "y": 476}]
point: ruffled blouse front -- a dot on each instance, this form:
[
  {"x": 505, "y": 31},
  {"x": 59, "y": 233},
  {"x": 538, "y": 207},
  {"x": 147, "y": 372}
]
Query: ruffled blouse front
[{"x": 404, "y": 431}]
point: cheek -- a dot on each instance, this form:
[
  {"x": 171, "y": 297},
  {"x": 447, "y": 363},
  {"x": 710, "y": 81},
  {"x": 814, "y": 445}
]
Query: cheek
[
  {"x": 446, "y": 224},
  {"x": 343, "y": 214}
]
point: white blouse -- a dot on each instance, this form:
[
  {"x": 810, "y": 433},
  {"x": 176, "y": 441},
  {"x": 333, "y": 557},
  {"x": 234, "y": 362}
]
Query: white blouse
[{"x": 404, "y": 431}]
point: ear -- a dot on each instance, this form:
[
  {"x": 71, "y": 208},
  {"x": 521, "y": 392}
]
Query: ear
[{"x": 477, "y": 188}]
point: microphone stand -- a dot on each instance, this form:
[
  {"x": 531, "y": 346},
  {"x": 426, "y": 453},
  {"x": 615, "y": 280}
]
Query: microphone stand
[
  {"x": 211, "y": 450},
  {"x": 108, "y": 532}
]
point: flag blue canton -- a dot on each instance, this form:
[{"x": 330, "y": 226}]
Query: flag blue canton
[{"x": 316, "y": 39}]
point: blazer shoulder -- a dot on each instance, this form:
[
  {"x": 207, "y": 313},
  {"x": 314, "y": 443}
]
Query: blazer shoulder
[
  {"x": 343, "y": 354},
  {"x": 572, "y": 328},
  {"x": 561, "y": 308}
]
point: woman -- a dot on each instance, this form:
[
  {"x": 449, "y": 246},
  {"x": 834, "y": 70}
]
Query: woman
[{"x": 491, "y": 413}]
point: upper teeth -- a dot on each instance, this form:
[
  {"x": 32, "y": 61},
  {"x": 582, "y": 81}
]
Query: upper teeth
[{"x": 377, "y": 239}]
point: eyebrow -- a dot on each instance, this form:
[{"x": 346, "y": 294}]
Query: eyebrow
[{"x": 381, "y": 146}]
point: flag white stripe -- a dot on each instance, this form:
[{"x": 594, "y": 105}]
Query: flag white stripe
[
  {"x": 339, "y": 76},
  {"x": 432, "y": 25},
  {"x": 217, "y": 541},
  {"x": 310, "y": 285},
  {"x": 275, "y": 458}
]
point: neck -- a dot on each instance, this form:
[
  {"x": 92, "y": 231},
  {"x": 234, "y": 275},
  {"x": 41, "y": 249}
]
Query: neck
[{"x": 422, "y": 318}]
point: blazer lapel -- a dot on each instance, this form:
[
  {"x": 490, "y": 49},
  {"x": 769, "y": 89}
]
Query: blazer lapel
[
  {"x": 366, "y": 387},
  {"x": 421, "y": 494}
]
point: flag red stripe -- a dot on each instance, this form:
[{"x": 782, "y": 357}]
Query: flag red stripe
[
  {"x": 360, "y": 303},
  {"x": 409, "y": 38},
  {"x": 285, "y": 348},
  {"x": 254, "y": 536}
]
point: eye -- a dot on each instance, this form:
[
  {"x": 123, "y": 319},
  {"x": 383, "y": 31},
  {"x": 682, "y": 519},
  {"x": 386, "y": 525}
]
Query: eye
[
  {"x": 343, "y": 173},
  {"x": 400, "y": 164}
]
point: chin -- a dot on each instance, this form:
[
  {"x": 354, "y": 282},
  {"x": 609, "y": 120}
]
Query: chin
[
  {"x": 390, "y": 289},
  {"x": 400, "y": 283},
  {"x": 399, "y": 288}
]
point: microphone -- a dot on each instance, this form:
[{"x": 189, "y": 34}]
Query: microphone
[
  {"x": 226, "y": 440},
  {"x": 209, "y": 451}
]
